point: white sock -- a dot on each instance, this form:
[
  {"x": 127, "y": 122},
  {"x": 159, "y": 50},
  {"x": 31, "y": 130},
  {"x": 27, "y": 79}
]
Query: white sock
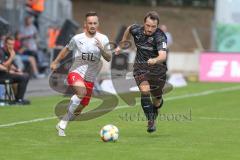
[
  {"x": 74, "y": 103},
  {"x": 63, "y": 124}
]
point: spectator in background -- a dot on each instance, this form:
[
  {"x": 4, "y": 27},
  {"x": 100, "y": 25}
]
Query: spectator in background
[
  {"x": 168, "y": 34},
  {"x": 2, "y": 89},
  {"x": 35, "y": 8},
  {"x": 11, "y": 72},
  {"x": 17, "y": 60},
  {"x": 29, "y": 36},
  {"x": 19, "y": 49}
]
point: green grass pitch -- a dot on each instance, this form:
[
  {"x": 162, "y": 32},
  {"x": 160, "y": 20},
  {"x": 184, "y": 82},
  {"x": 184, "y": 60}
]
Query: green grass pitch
[{"x": 198, "y": 122}]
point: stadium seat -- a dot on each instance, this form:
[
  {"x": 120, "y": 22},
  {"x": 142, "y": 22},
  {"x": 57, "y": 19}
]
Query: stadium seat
[{"x": 9, "y": 97}]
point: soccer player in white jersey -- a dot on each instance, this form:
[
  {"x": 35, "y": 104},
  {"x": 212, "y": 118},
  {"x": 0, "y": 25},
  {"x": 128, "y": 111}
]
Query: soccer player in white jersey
[{"x": 87, "y": 47}]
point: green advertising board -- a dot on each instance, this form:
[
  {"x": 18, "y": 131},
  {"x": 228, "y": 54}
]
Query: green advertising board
[
  {"x": 228, "y": 37},
  {"x": 227, "y": 26}
]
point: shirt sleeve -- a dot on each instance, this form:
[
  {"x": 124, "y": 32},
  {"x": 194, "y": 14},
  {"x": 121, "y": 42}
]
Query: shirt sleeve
[
  {"x": 161, "y": 42},
  {"x": 71, "y": 44},
  {"x": 133, "y": 29},
  {"x": 105, "y": 43}
]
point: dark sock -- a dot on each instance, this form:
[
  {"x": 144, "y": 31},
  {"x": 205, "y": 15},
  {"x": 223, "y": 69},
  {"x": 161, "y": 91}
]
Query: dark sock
[{"x": 147, "y": 106}]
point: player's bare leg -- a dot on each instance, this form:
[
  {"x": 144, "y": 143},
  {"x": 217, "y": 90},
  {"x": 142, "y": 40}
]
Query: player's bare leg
[{"x": 74, "y": 107}]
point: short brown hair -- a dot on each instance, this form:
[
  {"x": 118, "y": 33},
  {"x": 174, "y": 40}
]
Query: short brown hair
[
  {"x": 153, "y": 15},
  {"x": 91, "y": 13},
  {"x": 9, "y": 38}
]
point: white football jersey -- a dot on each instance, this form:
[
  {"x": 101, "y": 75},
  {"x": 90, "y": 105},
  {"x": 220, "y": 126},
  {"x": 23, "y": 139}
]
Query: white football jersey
[{"x": 87, "y": 57}]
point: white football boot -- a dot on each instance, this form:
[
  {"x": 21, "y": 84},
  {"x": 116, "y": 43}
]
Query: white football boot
[{"x": 61, "y": 132}]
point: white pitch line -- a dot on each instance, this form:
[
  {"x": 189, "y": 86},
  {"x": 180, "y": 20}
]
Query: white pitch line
[
  {"x": 204, "y": 93},
  {"x": 25, "y": 122},
  {"x": 217, "y": 118}
]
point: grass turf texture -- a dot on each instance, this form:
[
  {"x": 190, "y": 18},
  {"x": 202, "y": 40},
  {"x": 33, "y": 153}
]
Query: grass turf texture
[{"x": 211, "y": 134}]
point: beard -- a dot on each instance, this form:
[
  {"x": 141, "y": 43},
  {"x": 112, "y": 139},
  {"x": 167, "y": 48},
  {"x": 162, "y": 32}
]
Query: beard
[
  {"x": 148, "y": 33},
  {"x": 92, "y": 32}
]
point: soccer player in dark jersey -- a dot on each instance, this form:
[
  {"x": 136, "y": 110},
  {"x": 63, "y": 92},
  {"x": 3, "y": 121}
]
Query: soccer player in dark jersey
[{"x": 150, "y": 64}]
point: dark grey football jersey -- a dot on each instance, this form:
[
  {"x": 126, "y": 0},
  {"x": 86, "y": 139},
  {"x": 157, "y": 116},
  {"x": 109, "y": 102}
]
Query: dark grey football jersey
[{"x": 148, "y": 47}]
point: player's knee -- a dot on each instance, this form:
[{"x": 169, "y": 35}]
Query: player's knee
[
  {"x": 144, "y": 88},
  {"x": 81, "y": 91}
]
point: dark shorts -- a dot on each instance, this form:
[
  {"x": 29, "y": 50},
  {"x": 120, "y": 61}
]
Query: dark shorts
[{"x": 156, "y": 81}]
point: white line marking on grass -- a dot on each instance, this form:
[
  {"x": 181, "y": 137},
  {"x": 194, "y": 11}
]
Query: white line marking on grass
[
  {"x": 217, "y": 118},
  {"x": 204, "y": 93},
  {"x": 25, "y": 122}
]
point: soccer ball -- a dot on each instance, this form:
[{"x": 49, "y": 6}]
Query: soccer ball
[{"x": 109, "y": 133}]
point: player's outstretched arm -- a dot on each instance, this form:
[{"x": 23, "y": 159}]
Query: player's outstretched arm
[
  {"x": 126, "y": 37},
  {"x": 107, "y": 55},
  {"x": 162, "y": 56},
  {"x": 63, "y": 53}
]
